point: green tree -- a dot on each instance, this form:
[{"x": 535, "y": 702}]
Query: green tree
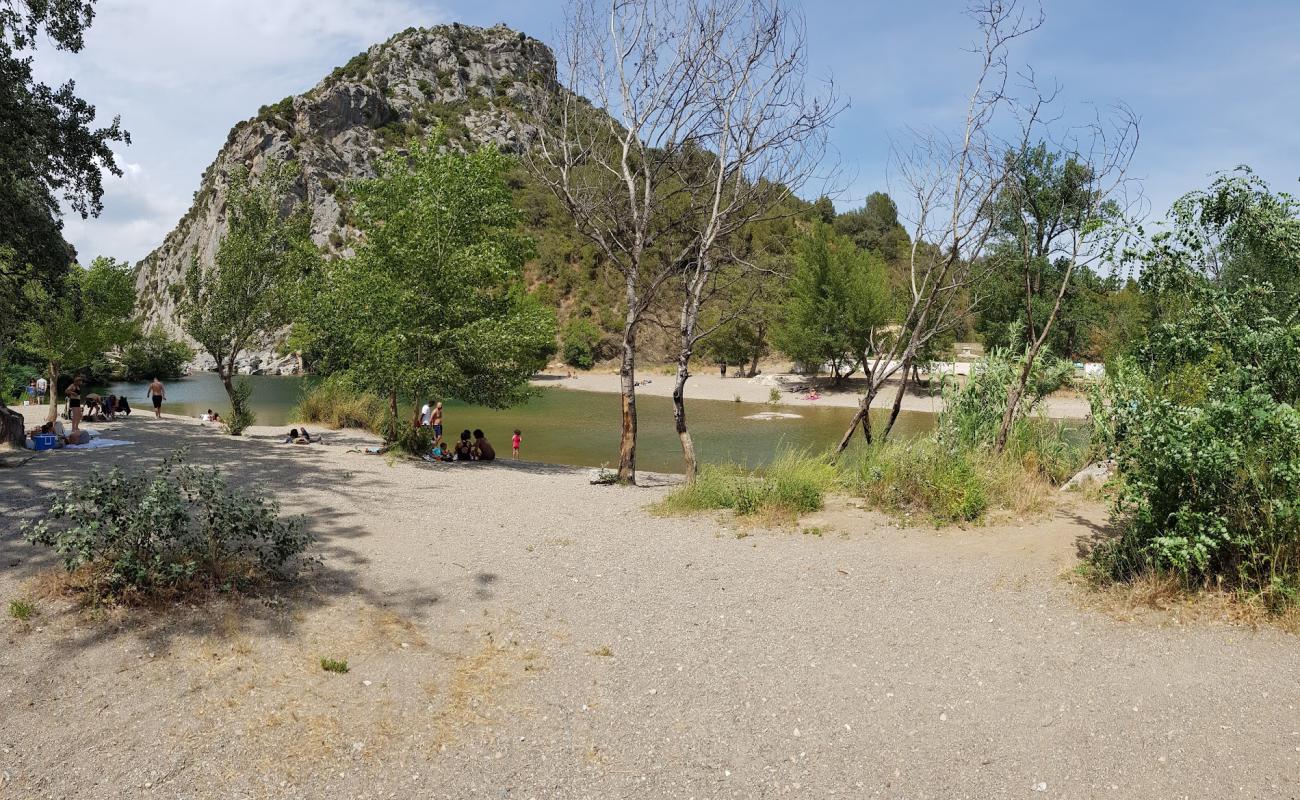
[
  {"x": 48, "y": 152},
  {"x": 433, "y": 302},
  {"x": 875, "y": 227},
  {"x": 248, "y": 292},
  {"x": 88, "y": 314},
  {"x": 837, "y": 307},
  {"x": 581, "y": 339},
  {"x": 154, "y": 355}
]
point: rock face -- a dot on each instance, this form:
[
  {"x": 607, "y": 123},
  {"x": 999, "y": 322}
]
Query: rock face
[{"x": 483, "y": 85}]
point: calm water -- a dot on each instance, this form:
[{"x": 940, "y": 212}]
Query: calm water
[{"x": 570, "y": 427}]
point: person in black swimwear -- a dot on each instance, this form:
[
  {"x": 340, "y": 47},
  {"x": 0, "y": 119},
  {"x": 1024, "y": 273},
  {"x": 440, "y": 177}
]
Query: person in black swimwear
[{"x": 73, "y": 393}]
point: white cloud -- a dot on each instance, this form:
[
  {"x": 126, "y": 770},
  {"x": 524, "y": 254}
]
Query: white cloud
[{"x": 181, "y": 73}]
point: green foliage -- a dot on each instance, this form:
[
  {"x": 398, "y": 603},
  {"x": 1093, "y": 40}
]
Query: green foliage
[
  {"x": 22, "y": 610},
  {"x": 838, "y": 303},
  {"x": 241, "y": 415},
  {"x": 875, "y": 228},
  {"x": 433, "y": 301},
  {"x": 335, "y": 404},
  {"x": 581, "y": 338},
  {"x": 252, "y": 287},
  {"x": 336, "y": 665},
  {"x": 154, "y": 355},
  {"x": 795, "y": 483},
  {"x": 89, "y": 312},
  {"x": 167, "y": 529},
  {"x": 1048, "y": 208},
  {"x": 1202, "y": 419},
  {"x": 973, "y": 410},
  {"x": 49, "y": 153}
]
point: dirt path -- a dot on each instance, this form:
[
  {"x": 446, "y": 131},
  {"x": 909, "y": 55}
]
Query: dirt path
[{"x": 513, "y": 632}]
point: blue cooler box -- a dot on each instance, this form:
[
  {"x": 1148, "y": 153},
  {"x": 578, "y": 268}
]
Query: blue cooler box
[{"x": 44, "y": 441}]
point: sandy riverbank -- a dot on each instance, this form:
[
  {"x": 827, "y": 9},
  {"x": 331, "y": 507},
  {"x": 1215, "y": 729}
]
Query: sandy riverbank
[
  {"x": 513, "y": 631},
  {"x": 793, "y": 391}
]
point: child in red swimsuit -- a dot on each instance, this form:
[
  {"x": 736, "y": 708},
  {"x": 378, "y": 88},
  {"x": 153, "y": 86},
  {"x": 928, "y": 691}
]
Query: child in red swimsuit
[{"x": 514, "y": 443}]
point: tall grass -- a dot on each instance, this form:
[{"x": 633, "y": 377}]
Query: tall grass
[
  {"x": 951, "y": 476},
  {"x": 795, "y": 483},
  {"x": 336, "y": 405}
]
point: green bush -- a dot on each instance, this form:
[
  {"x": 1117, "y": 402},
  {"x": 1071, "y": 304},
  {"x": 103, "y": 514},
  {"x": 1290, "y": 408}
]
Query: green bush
[
  {"x": 1201, "y": 417},
  {"x": 166, "y": 529},
  {"x": 581, "y": 338},
  {"x": 334, "y": 404},
  {"x": 795, "y": 483},
  {"x": 336, "y": 665},
  {"x": 241, "y": 415},
  {"x": 155, "y": 355}
]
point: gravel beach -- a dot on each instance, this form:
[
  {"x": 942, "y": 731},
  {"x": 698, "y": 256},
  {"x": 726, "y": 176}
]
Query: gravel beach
[{"x": 512, "y": 631}]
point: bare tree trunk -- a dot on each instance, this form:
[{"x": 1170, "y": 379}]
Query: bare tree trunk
[
  {"x": 898, "y": 401},
  {"x": 679, "y": 416},
  {"x": 753, "y": 365},
  {"x": 1017, "y": 392},
  {"x": 53, "y": 378},
  {"x": 862, "y": 417},
  {"x": 627, "y": 395}
]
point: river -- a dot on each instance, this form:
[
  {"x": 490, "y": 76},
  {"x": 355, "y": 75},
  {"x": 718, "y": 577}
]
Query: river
[{"x": 564, "y": 426}]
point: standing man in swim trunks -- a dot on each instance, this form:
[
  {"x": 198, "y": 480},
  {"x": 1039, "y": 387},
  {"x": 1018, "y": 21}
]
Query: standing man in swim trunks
[
  {"x": 435, "y": 419},
  {"x": 157, "y": 394}
]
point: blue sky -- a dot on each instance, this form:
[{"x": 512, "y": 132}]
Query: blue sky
[{"x": 1216, "y": 84}]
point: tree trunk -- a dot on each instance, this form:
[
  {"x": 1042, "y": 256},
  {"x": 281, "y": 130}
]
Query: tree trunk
[
  {"x": 392, "y": 412},
  {"x": 12, "y": 426},
  {"x": 627, "y": 396},
  {"x": 753, "y": 365},
  {"x": 898, "y": 401},
  {"x": 862, "y": 417},
  {"x": 679, "y": 416},
  {"x": 53, "y": 378}
]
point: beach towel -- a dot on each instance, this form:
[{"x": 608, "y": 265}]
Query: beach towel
[{"x": 96, "y": 444}]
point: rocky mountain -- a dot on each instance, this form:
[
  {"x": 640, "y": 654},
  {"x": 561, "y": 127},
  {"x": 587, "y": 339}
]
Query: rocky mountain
[{"x": 483, "y": 84}]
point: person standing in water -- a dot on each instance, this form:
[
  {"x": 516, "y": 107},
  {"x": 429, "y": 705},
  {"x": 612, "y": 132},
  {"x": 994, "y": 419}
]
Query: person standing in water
[{"x": 157, "y": 393}]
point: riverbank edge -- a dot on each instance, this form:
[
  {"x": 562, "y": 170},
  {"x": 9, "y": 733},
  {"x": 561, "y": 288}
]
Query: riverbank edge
[{"x": 792, "y": 391}]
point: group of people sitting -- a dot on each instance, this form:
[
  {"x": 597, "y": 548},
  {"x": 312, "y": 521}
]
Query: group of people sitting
[
  {"x": 62, "y": 436},
  {"x": 106, "y": 409},
  {"x": 469, "y": 447}
]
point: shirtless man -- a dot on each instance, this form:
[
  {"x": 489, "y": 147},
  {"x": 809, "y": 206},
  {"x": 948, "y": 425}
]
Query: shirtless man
[
  {"x": 157, "y": 394},
  {"x": 435, "y": 419}
]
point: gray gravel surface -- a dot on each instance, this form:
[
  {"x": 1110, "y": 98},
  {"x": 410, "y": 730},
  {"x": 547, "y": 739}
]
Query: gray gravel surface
[{"x": 513, "y": 632}]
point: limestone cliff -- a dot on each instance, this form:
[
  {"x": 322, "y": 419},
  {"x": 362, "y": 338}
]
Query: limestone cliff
[{"x": 483, "y": 85}]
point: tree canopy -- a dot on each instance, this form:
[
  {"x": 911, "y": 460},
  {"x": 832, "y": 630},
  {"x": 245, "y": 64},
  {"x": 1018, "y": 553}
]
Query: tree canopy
[{"x": 433, "y": 301}]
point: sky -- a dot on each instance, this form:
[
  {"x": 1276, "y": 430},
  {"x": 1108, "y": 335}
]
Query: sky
[{"x": 1215, "y": 84}]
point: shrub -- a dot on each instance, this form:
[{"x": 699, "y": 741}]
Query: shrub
[
  {"x": 944, "y": 483},
  {"x": 241, "y": 415},
  {"x": 581, "y": 338},
  {"x": 336, "y": 405},
  {"x": 793, "y": 484},
  {"x": 1202, "y": 416},
  {"x": 336, "y": 665},
  {"x": 167, "y": 529},
  {"x": 22, "y": 610}
]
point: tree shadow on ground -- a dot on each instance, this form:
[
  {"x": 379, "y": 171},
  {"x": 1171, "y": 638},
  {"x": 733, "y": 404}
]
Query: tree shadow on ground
[
  {"x": 289, "y": 472},
  {"x": 1093, "y": 536}
]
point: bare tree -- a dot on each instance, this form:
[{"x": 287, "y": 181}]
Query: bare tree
[
  {"x": 951, "y": 183},
  {"x": 1067, "y": 207},
  {"x": 704, "y": 127}
]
